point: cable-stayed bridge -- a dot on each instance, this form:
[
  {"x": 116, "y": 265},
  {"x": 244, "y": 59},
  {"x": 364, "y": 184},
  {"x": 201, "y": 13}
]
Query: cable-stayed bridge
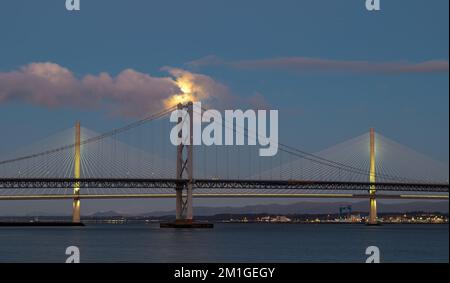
[{"x": 138, "y": 161}]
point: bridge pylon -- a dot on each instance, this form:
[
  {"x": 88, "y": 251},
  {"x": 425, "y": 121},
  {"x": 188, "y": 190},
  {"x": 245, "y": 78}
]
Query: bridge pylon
[
  {"x": 76, "y": 188},
  {"x": 373, "y": 218},
  {"x": 184, "y": 210}
]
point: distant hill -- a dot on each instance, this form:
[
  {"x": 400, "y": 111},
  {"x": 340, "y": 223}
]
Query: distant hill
[
  {"x": 313, "y": 208},
  {"x": 110, "y": 213},
  {"x": 304, "y": 207}
]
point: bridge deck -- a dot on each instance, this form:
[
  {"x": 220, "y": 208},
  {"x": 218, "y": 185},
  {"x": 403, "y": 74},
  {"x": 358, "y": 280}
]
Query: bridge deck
[
  {"x": 219, "y": 195},
  {"x": 51, "y": 183}
]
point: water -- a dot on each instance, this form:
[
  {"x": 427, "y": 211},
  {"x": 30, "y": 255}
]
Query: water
[{"x": 226, "y": 243}]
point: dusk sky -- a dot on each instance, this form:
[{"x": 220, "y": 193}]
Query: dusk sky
[{"x": 331, "y": 68}]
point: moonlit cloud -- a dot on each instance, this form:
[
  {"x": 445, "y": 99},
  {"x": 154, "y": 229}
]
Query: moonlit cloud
[{"x": 200, "y": 87}]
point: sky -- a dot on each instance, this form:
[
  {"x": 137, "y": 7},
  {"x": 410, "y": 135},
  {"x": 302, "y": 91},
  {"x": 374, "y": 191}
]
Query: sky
[{"x": 331, "y": 68}]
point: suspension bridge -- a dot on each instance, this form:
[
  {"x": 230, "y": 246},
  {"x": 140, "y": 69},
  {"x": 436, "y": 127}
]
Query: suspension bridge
[{"x": 138, "y": 161}]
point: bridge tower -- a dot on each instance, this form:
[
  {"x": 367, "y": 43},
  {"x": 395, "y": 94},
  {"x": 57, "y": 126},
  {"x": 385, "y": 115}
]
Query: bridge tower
[
  {"x": 184, "y": 211},
  {"x": 373, "y": 219},
  {"x": 76, "y": 187}
]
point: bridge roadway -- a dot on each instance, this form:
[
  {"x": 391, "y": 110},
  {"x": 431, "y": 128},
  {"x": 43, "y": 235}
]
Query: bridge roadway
[
  {"x": 409, "y": 190},
  {"x": 130, "y": 183},
  {"x": 226, "y": 195}
]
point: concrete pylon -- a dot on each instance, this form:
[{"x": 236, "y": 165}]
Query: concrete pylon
[
  {"x": 373, "y": 218},
  {"x": 76, "y": 188}
]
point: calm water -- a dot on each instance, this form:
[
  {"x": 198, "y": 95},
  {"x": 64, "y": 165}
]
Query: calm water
[{"x": 226, "y": 243}]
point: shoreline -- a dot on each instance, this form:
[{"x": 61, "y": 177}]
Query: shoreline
[{"x": 90, "y": 222}]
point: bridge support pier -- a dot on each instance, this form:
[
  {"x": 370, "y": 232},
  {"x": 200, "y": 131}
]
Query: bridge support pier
[
  {"x": 76, "y": 188},
  {"x": 184, "y": 211},
  {"x": 185, "y": 185},
  {"x": 373, "y": 218}
]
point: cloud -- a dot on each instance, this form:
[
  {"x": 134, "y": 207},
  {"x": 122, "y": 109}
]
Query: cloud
[
  {"x": 214, "y": 94},
  {"x": 210, "y": 60},
  {"x": 198, "y": 87},
  {"x": 305, "y": 64},
  {"x": 130, "y": 93}
]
